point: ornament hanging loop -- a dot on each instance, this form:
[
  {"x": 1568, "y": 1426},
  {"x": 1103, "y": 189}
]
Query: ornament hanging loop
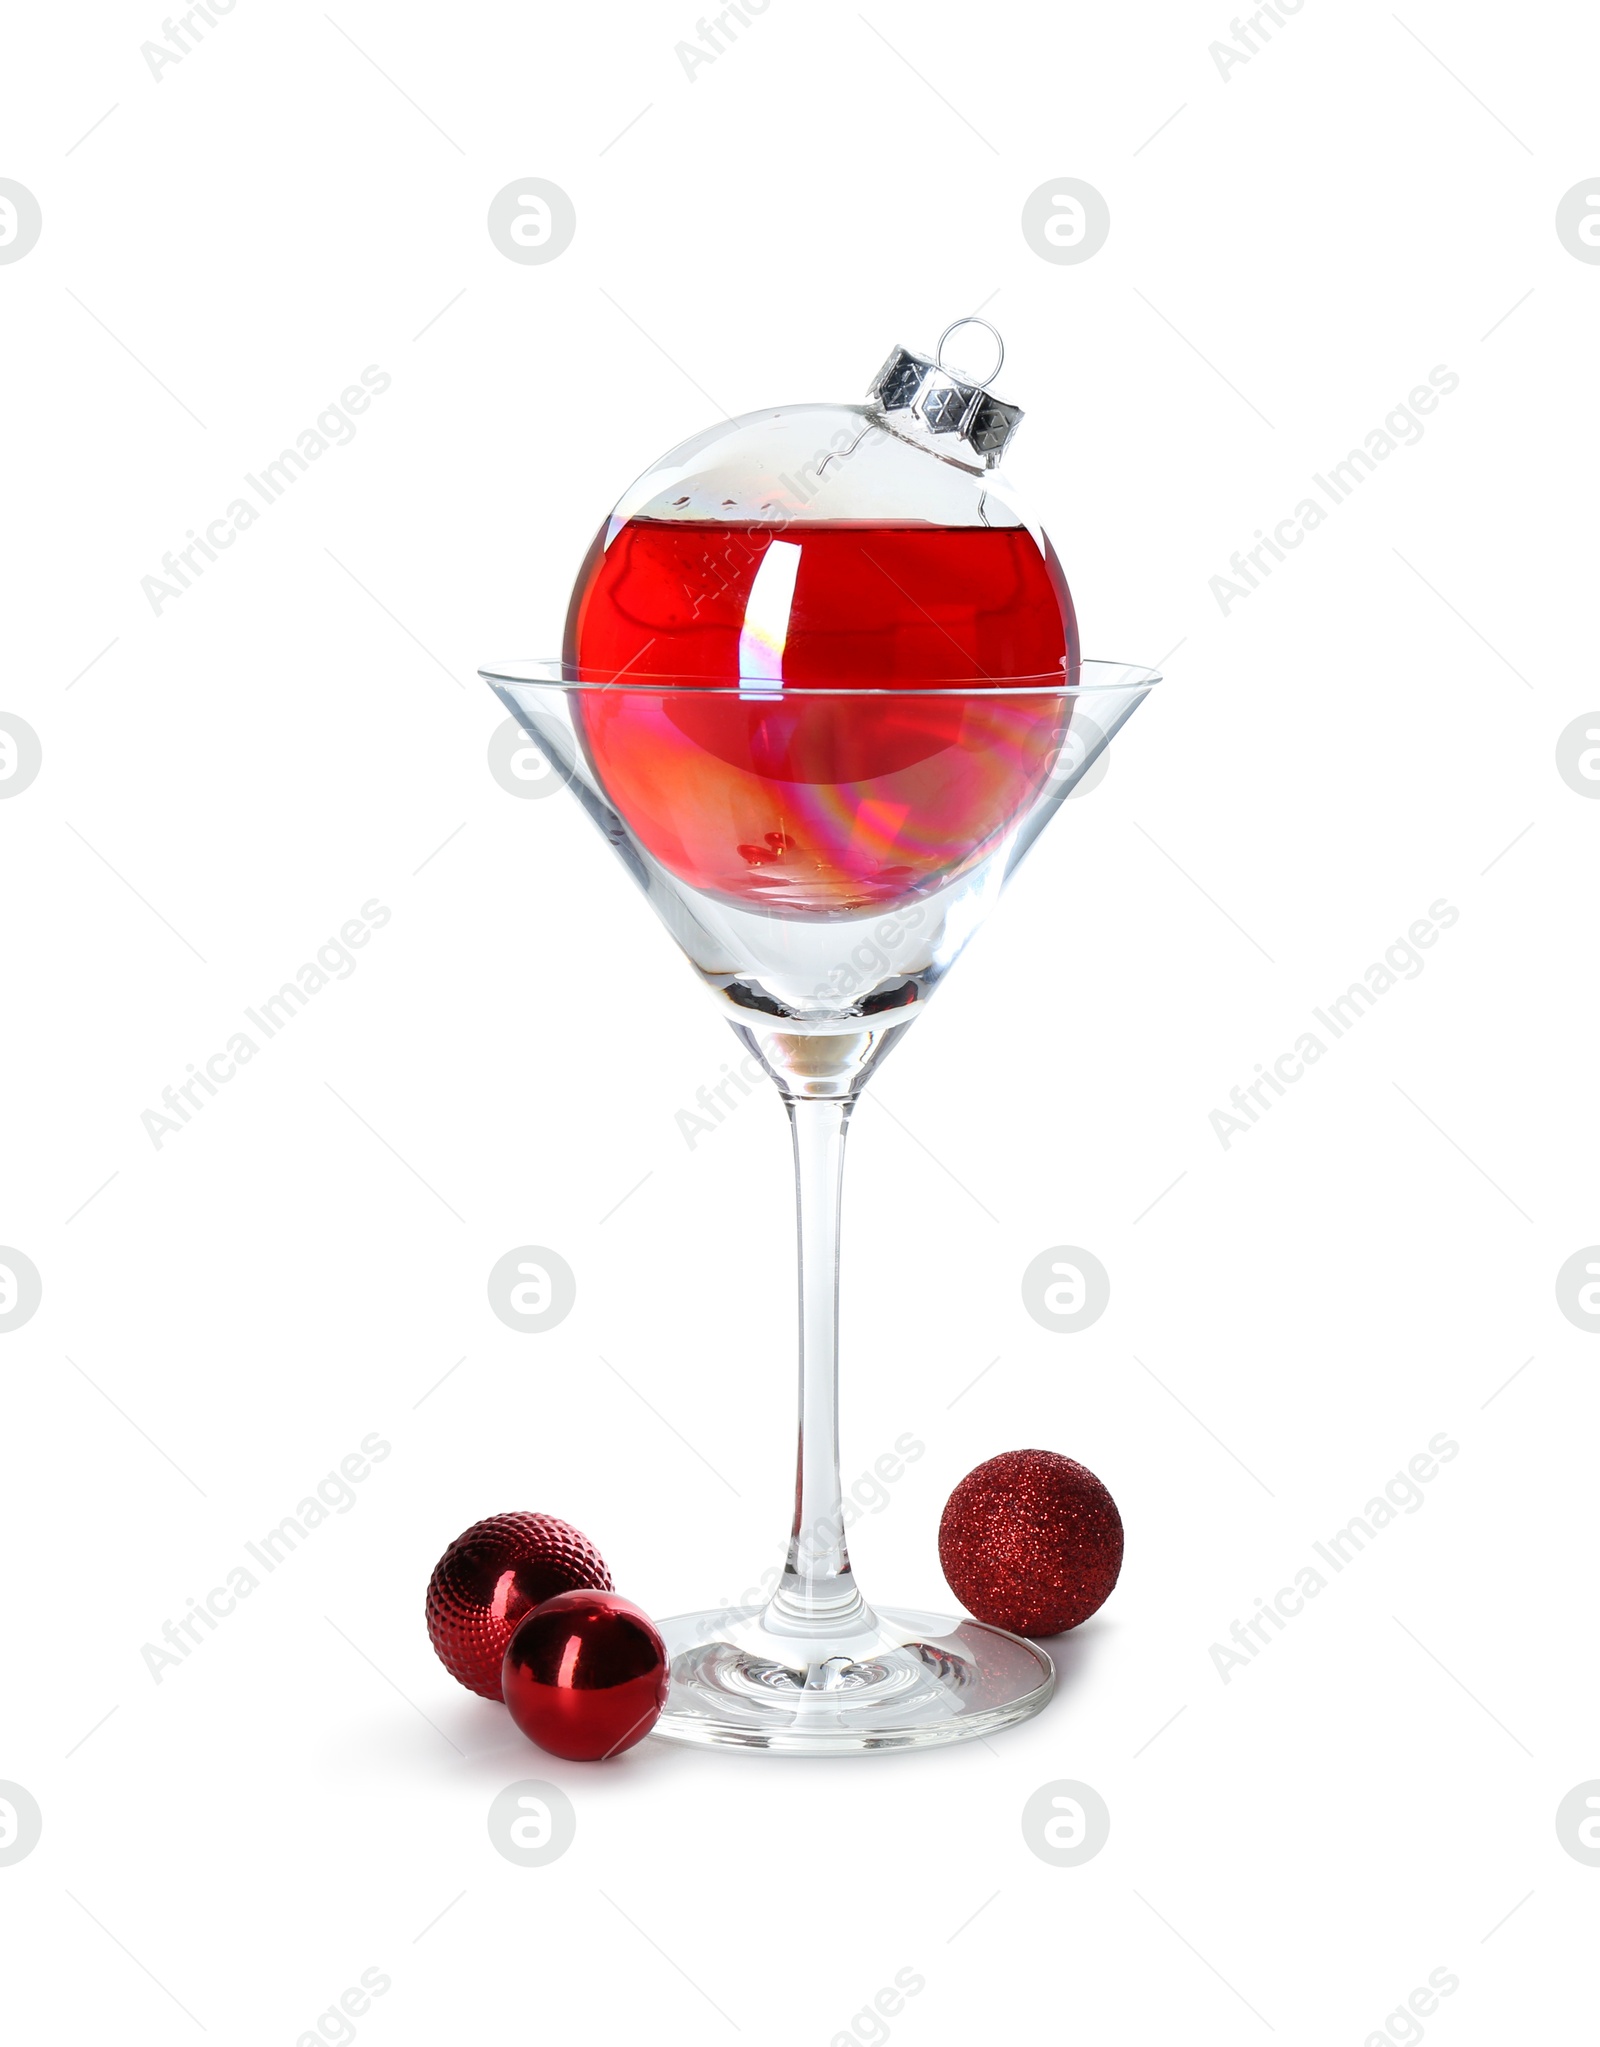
[{"x": 972, "y": 320}]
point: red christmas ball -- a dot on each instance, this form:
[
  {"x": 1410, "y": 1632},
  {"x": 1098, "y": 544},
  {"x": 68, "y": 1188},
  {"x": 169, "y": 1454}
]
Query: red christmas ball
[
  {"x": 1031, "y": 1542},
  {"x": 585, "y": 1675},
  {"x": 490, "y": 1577}
]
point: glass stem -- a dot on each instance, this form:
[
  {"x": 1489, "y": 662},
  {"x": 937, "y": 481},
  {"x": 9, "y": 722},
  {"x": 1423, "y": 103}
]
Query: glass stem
[{"x": 817, "y": 1594}]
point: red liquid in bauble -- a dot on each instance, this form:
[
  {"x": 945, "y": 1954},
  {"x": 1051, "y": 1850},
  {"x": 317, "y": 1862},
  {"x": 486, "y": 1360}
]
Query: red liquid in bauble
[{"x": 785, "y": 796}]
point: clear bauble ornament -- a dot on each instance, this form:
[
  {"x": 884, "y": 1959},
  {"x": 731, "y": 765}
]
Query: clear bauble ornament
[{"x": 800, "y": 609}]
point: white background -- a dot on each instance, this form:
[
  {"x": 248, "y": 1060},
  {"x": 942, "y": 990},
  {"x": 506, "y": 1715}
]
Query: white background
[{"x": 302, "y": 731}]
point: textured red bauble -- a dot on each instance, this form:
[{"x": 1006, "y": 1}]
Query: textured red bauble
[
  {"x": 1031, "y": 1541},
  {"x": 585, "y": 1675},
  {"x": 490, "y": 1577}
]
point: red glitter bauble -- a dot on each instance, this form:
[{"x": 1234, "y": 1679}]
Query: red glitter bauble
[
  {"x": 1031, "y": 1542},
  {"x": 586, "y": 1675},
  {"x": 490, "y": 1577}
]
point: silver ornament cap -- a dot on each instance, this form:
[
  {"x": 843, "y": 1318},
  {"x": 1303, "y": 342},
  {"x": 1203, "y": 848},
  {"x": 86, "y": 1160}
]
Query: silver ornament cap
[{"x": 949, "y": 414}]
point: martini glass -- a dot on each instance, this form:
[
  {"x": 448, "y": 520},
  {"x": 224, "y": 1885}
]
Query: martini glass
[{"x": 822, "y": 856}]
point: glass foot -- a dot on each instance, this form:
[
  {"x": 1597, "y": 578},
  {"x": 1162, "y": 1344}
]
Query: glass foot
[{"x": 911, "y": 1680}]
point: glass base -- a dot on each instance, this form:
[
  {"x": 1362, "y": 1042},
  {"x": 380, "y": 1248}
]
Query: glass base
[{"x": 910, "y": 1681}]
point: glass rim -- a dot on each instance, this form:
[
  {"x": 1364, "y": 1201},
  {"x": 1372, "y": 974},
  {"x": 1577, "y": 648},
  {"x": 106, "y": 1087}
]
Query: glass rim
[{"x": 1094, "y": 676}]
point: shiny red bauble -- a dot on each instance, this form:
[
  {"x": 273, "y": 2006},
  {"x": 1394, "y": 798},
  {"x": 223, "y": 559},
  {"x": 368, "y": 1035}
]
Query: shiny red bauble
[
  {"x": 1032, "y": 1542},
  {"x": 488, "y": 1578},
  {"x": 585, "y": 1675}
]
